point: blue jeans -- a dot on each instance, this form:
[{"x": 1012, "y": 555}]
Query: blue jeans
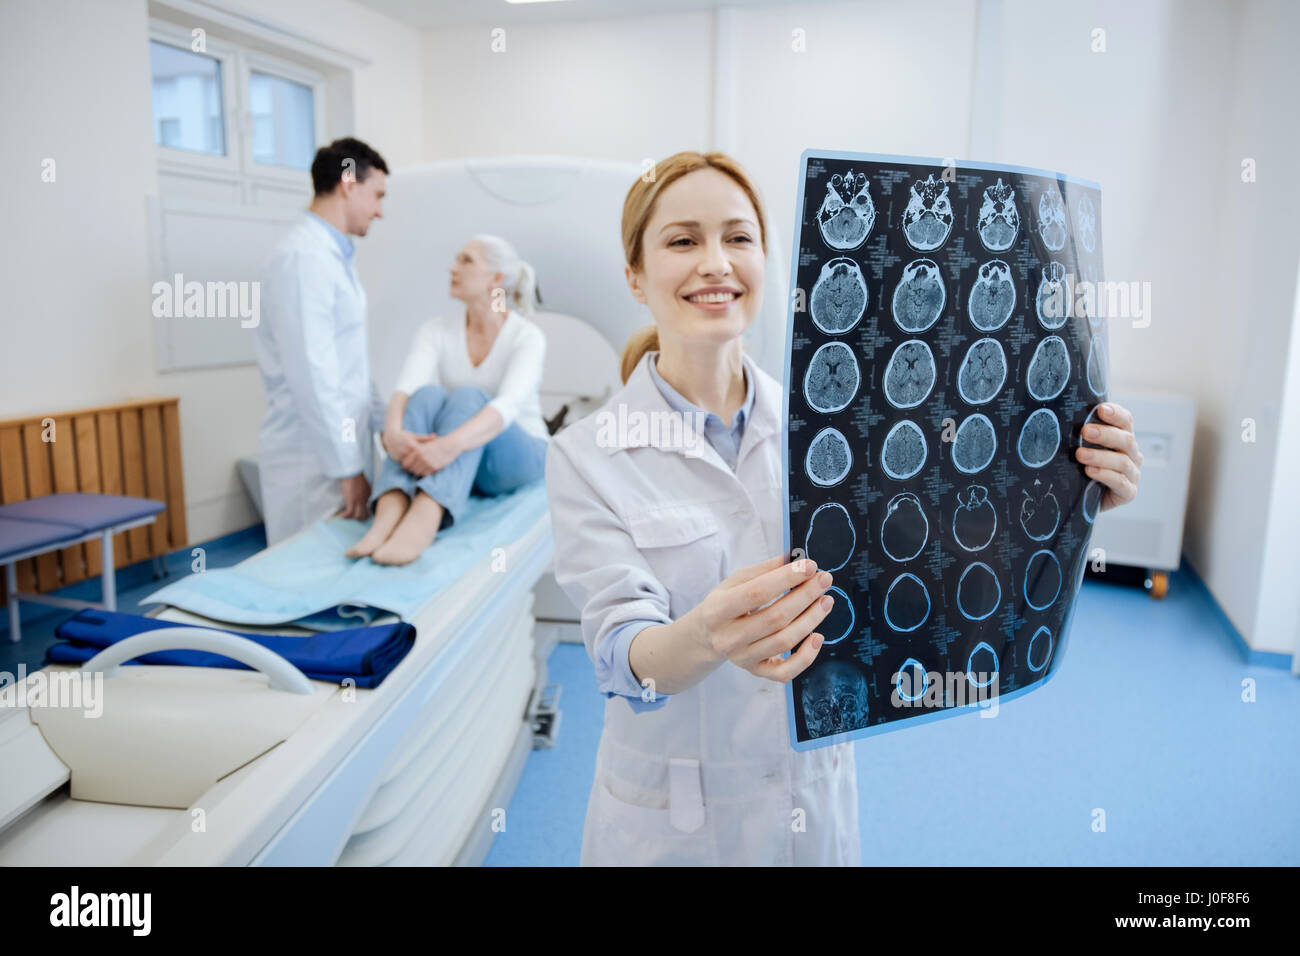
[{"x": 508, "y": 462}]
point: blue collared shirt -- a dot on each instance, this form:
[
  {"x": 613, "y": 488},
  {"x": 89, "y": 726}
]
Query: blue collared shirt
[
  {"x": 346, "y": 245},
  {"x": 726, "y": 442}
]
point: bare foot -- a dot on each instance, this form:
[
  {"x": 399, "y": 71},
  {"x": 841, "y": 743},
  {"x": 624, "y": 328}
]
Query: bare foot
[
  {"x": 413, "y": 534},
  {"x": 389, "y": 510}
]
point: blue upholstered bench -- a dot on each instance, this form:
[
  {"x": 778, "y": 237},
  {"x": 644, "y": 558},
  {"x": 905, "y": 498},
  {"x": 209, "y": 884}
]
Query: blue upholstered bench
[{"x": 51, "y": 522}]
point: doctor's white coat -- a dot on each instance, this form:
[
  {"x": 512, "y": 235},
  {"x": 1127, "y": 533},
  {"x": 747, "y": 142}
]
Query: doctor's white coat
[
  {"x": 322, "y": 408},
  {"x": 645, "y": 533}
]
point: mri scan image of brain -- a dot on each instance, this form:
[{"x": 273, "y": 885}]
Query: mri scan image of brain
[
  {"x": 903, "y": 453},
  {"x": 1094, "y": 308},
  {"x": 1049, "y": 369},
  {"x": 847, "y": 212},
  {"x": 912, "y": 680},
  {"x": 831, "y": 538},
  {"x": 1051, "y": 219},
  {"x": 906, "y": 528},
  {"x": 1055, "y": 296},
  {"x": 1098, "y": 374},
  {"x": 835, "y": 698},
  {"x": 1040, "y": 649},
  {"x": 1039, "y": 438},
  {"x": 1092, "y": 500},
  {"x": 838, "y": 624},
  {"x": 919, "y": 296},
  {"x": 978, "y": 591},
  {"x": 1040, "y": 512},
  {"x": 910, "y": 374},
  {"x": 839, "y": 297},
  {"x": 832, "y": 378},
  {"x": 974, "y": 519},
  {"x": 982, "y": 372},
  {"x": 1086, "y": 215},
  {"x": 907, "y": 603},
  {"x": 982, "y": 664},
  {"x": 928, "y": 218},
  {"x": 1042, "y": 579},
  {"x": 992, "y": 296},
  {"x": 974, "y": 445},
  {"x": 999, "y": 221},
  {"x": 936, "y": 387},
  {"x": 829, "y": 458}
]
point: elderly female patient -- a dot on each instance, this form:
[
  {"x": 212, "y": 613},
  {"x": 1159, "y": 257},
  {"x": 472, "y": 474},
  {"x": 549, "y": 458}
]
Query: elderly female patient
[{"x": 465, "y": 412}]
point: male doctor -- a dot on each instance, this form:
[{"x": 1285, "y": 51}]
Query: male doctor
[{"x": 322, "y": 408}]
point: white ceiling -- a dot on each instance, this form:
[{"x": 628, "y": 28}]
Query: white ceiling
[{"x": 425, "y": 14}]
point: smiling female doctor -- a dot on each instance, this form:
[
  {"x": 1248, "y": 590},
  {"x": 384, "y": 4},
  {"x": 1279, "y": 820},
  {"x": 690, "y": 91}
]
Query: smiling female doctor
[{"x": 674, "y": 554}]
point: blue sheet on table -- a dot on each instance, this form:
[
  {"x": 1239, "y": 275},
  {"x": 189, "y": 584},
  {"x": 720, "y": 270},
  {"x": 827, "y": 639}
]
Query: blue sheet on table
[
  {"x": 305, "y": 580},
  {"x": 365, "y": 654}
]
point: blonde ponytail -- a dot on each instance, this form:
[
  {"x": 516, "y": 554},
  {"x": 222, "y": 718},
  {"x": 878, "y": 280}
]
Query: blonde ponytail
[{"x": 643, "y": 340}]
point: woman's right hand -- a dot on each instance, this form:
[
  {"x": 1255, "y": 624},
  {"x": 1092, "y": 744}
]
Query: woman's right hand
[
  {"x": 733, "y": 624},
  {"x": 398, "y": 443}
]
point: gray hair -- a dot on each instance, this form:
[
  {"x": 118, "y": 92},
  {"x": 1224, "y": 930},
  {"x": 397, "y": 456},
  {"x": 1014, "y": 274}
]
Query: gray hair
[{"x": 520, "y": 280}]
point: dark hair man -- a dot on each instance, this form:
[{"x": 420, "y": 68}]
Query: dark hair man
[{"x": 316, "y": 449}]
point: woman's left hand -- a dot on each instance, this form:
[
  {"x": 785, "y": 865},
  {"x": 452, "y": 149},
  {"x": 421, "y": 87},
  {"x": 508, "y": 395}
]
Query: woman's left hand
[
  {"x": 429, "y": 453},
  {"x": 1117, "y": 465}
]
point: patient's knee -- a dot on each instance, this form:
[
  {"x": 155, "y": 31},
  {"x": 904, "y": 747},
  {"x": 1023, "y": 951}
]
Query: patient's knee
[
  {"x": 422, "y": 406},
  {"x": 426, "y": 394},
  {"x": 470, "y": 394}
]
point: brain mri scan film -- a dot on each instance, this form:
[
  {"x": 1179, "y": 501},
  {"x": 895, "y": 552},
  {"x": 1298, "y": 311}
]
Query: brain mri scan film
[{"x": 937, "y": 383}]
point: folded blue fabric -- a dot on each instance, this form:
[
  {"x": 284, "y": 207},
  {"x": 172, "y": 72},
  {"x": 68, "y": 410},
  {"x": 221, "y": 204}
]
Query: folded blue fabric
[
  {"x": 302, "y": 578},
  {"x": 345, "y": 617},
  {"x": 365, "y": 654}
]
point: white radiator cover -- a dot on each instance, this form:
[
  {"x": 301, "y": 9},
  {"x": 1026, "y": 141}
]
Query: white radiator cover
[{"x": 1148, "y": 532}]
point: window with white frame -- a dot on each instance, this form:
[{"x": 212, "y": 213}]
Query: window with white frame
[
  {"x": 237, "y": 118},
  {"x": 231, "y": 123}
]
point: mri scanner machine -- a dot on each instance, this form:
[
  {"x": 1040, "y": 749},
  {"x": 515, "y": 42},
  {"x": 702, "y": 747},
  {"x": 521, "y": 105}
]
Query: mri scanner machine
[{"x": 225, "y": 766}]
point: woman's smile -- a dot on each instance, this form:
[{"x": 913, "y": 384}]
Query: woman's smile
[{"x": 714, "y": 299}]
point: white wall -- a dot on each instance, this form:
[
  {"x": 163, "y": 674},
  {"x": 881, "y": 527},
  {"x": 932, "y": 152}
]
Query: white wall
[
  {"x": 581, "y": 89},
  {"x": 1244, "y": 513},
  {"x": 1162, "y": 118},
  {"x": 75, "y": 253}
]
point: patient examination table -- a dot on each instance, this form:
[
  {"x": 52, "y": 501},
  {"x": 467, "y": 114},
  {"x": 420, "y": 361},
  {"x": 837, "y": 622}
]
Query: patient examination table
[
  {"x": 418, "y": 770},
  {"x": 50, "y": 522}
]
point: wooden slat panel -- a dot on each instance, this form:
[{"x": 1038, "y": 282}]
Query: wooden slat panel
[
  {"x": 133, "y": 476},
  {"x": 110, "y": 475},
  {"x": 63, "y": 457},
  {"x": 83, "y": 427},
  {"x": 13, "y": 487},
  {"x": 13, "y": 484},
  {"x": 155, "y": 481},
  {"x": 133, "y": 405},
  {"x": 179, "y": 534},
  {"x": 39, "y": 482},
  {"x": 132, "y": 448}
]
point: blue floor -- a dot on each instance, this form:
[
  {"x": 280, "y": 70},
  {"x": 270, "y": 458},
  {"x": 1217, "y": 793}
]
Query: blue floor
[{"x": 1145, "y": 721}]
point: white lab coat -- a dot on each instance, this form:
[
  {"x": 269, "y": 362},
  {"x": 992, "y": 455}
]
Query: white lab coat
[
  {"x": 645, "y": 533},
  {"x": 322, "y": 408}
]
